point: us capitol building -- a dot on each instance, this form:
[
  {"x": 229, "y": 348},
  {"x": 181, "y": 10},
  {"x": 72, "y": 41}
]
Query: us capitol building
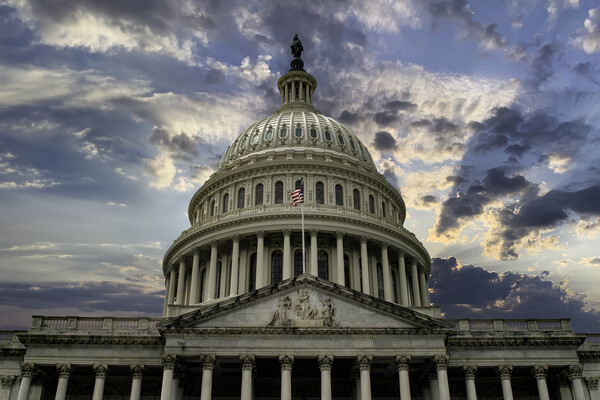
[{"x": 244, "y": 318}]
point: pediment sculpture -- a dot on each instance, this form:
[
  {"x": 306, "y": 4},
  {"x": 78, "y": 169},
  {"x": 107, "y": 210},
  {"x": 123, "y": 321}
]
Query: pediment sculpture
[{"x": 302, "y": 312}]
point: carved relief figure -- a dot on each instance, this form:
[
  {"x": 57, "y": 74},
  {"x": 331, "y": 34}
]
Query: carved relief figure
[
  {"x": 304, "y": 312},
  {"x": 280, "y": 316},
  {"x": 327, "y": 312}
]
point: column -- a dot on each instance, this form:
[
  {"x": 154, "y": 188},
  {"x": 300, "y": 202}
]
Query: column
[
  {"x": 423, "y": 288},
  {"x": 260, "y": 263},
  {"x": 100, "y": 372},
  {"x": 575, "y": 373},
  {"x": 470, "y": 372},
  {"x": 340, "y": 276},
  {"x": 387, "y": 279},
  {"x": 314, "y": 270},
  {"x": 171, "y": 290},
  {"x": 325, "y": 364},
  {"x": 434, "y": 386},
  {"x": 364, "y": 364},
  {"x": 364, "y": 257},
  {"x": 181, "y": 283},
  {"x": 64, "y": 370},
  {"x": 286, "y": 362},
  {"x": 5, "y": 386},
  {"x": 563, "y": 387},
  {"x": 212, "y": 272},
  {"x": 235, "y": 266},
  {"x": 301, "y": 89},
  {"x": 540, "y": 371},
  {"x": 287, "y": 257},
  {"x": 441, "y": 365},
  {"x": 208, "y": 363},
  {"x": 415, "y": 283},
  {"x": 27, "y": 371},
  {"x": 169, "y": 361},
  {"x": 248, "y": 364},
  {"x": 403, "y": 283},
  {"x": 136, "y": 381},
  {"x": 592, "y": 384},
  {"x": 402, "y": 364},
  {"x": 194, "y": 283},
  {"x": 175, "y": 383},
  {"x": 505, "y": 371}
]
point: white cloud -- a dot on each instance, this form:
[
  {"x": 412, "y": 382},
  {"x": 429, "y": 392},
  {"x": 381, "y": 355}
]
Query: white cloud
[
  {"x": 588, "y": 38},
  {"x": 162, "y": 169}
]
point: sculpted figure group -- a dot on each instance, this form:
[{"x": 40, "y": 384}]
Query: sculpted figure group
[{"x": 303, "y": 310}]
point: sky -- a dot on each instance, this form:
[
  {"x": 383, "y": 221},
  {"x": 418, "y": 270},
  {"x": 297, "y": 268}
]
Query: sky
[{"x": 484, "y": 114}]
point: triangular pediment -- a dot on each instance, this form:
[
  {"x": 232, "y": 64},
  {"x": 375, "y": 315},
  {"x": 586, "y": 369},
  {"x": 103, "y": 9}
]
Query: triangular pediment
[{"x": 304, "y": 302}]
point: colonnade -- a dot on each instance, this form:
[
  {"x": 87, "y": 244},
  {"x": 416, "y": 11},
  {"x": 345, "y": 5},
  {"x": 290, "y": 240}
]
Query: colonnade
[{"x": 390, "y": 273}]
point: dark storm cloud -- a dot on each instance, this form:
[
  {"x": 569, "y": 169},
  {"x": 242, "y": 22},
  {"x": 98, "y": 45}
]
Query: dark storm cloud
[
  {"x": 347, "y": 117},
  {"x": 543, "y": 62},
  {"x": 485, "y": 294},
  {"x": 398, "y": 105},
  {"x": 384, "y": 141},
  {"x": 428, "y": 199},
  {"x": 384, "y": 119},
  {"x": 182, "y": 147}
]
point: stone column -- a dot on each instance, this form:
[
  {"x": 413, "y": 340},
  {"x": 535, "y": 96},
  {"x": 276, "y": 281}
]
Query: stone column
[
  {"x": 402, "y": 364},
  {"x": 470, "y": 372},
  {"x": 169, "y": 362},
  {"x": 364, "y": 364},
  {"x": 235, "y": 266},
  {"x": 364, "y": 258},
  {"x": 27, "y": 371},
  {"x": 441, "y": 365},
  {"x": 181, "y": 283},
  {"x": 505, "y": 371},
  {"x": 208, "y": 363},
  {"x": 248, "y": 363},
  {"x": 575, "y": 374},
  {"x": 563, "y": 387},
  {"x": 286, "y": 362},
  {"x": 194, "y": 283},
  {"x": 592, "y": 384},
  {"x": 403, "y": 283},
  {"x": 341, "y": 275},
  {"x": 314, "y": 270},
  {"x": 212, "y": 272},
  {"x": 423, "y": 288},
  {"x": 260, "y": 263},
  {"x": 100, "y": 371},
  {"x": 136, "y": 381},
  {"x": 64, "y": 371},
  {"x": 387, "y": 278},
  {"x": 287, "y": 256},
  {"x": 171, "y": 290},
  {"x": 325, "y": 364},
  {"x": 434, "y": 386},
  {"x": 540, "y": 371},
  {"x": 415, "y": 283},
  {"x": 5, "y": 386}
]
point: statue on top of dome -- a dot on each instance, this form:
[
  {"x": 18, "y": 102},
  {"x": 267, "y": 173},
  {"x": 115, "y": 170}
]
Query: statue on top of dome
[{"x": 297, "y": 64}]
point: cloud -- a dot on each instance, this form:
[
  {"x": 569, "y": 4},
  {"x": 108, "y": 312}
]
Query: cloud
[
  {"x": 384, "y": 141},
  {"x": 588, "y": 38}
]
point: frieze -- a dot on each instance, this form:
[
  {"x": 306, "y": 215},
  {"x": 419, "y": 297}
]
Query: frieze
[{"x": 303, "y": 312}]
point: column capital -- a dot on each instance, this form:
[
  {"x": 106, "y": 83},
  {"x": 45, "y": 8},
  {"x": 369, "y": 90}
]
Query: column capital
[
  {"x": 100, "y": 370},
  {"x": 539, "y": 371},
  {"x": 440, "y": 362},
  {"x": 325, "y": 362},
  {"x": 575, "y": 371},
  {"x": 504, "y": 371},
  {"x": 27, "y": 370},
  {"x": 364, "y": 362},
  {"x": 402, "y": 362},
  {"x": 260, "y": 234},
  {"x": 286, "y": 232},
  {"x": 364, "y": 239},
  {"x": 470, "y": 371},
  {"x": 64, "y": 370},
  {"x": 169, "y": 361},
  {"x": 196, "y": 252},
  {"x": 213, "y": 244},
  {"x": 137, "y": 370},
  {"x": 384, "y": 245},
  {"x": 340, "y": 234},
  {"x": 592, "y": 382},
  {"x": 7, "y": 381},
  {"x": 208, "y": 361},
  {"x": 248, "y": 361},
  {"x": 286, "y": 361},
  {"x": 235, "y": 238},
  {"x": 314, "y": 232}
]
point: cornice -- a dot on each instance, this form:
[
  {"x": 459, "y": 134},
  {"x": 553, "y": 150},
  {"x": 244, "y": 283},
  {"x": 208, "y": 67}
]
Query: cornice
[
  {"x": 62, "y": 340},
  {"x": 503, "y": 342}
]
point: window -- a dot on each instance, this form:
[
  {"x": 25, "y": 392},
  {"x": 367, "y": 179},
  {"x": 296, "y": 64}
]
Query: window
[
  {"x": 380, "y": 281},
  {"x": 371, "y": 205},
  {"x": 346, "y": 270},
  {"x": 226, "y": 202},
  {"x": 298, "y": 185},
  {"x": 319, "y": 193},
  {"x": 327, "y": 134},
  {"x": 298, "y": 131},
  {"x": 356, "y": 199},
  {"x": 313, "y": 132},
  {"x": 255, "y": 138},
  {"x": 252, "y": 273},
  {"x": 340, "y": 138},
  {"x": 279, "y": 192},
  {"x": 258, "y": 197},
  {"x": 202, "y": 284},
  {"x": 283, "y": 132},
  {"x": 269, "y": 134},
  {"x": 352, "y": 144},
  {"x": 298, "y": 262},
  {"x": 241, "y": 197},
  {"x": 383, "y": 208},
  {"x": 211, "y": 211},
  {"x": 243, "y": 143},
  {"x": 276, "y": 266},
  {"x": 218, "y": 283},
  {"x": 339, "y": 195},
  {"x": 323, "y": 264}
]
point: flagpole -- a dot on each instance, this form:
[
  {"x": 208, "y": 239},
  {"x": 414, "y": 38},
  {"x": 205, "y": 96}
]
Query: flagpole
[{"x": 303, "y": 248}]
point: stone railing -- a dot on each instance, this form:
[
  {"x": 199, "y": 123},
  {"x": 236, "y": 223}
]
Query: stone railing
[
  {"x": 512, "y": 325},
  {"x": 110, "y": 324},
  {"x": 6, "y": 336},
  {"x": 593, "y": 340}
]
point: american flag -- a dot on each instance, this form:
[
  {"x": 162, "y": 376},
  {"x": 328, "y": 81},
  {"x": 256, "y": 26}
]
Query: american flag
[{"x": 297, "y": 197}]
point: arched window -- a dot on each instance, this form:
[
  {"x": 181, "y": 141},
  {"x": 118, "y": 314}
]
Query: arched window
[
  {"x": 278, "y": 192},
  {"x": 269, "y": 134},
  {"x": 298, "y": 262},
  {"x": 356, "y": 199},
  {"x": 218, "y": 283},
  {"x": 327, "y": 134},
  {"x": 298, "y": 184},
  {"x": 298, "y": 131},
  {"x": 371, "y": 205},
  {"x": 202, "y": 284},
  {"x": 340, "y": 138},
  {"x": 276, "y": 266},
  {"x": 339, "y": 195},
  {"x": 256, "y": 137},
  {"x": 258, "y": 196},
  {"x": 211, "y": 211},
  {"x": 323, "y": 264},
  {"x": 313, "y": 132},
  {"x": 383, "y": 209},
  {"x": 252, "y": 273},
  {"x": 241, "y": 197},
  {"x": 380, "y": 281},
  {"x": 352, "y": 144},
  {"x": 226, "y": 202},
  {"x": 283, "y": 132},
  {"x": 346, "y": 271},
  {"x": 319, "y": 193}
]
